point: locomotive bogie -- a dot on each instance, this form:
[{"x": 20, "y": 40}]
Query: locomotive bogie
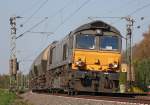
[{"x": 96, "y": 82}]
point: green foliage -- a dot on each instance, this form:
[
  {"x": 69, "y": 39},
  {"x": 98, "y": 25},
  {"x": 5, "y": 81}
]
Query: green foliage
[
  {"x": 141, "y": 61},
  {"x": 9, "y": 98},
  {"x": 4, "y": 81},
  {"x": 142, "y": 73},
  {"x": 122, "y": 78},
  {"x": 6, "y": 97}
]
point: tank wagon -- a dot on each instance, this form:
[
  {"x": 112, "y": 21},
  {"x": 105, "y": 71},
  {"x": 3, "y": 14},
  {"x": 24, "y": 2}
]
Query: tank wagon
[{"x": 88, "y": 59}]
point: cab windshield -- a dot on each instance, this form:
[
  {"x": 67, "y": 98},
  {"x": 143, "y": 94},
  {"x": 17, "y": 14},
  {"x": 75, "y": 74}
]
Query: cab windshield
[
  {"x": 85, "y": 41},
  {"x": 109, "y": 43}
]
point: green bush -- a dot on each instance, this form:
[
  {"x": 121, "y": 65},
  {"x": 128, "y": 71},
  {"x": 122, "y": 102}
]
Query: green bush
[
  {"x": 142, "y": 73},
  {"x": 6, "y": 97},
  {"x": 122, "y": 78}
]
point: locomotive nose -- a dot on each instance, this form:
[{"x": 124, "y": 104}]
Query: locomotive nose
[{"x": 96, "y": 61}]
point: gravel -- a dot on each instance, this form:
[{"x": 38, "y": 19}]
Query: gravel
[{"x": 43, "y": 99}]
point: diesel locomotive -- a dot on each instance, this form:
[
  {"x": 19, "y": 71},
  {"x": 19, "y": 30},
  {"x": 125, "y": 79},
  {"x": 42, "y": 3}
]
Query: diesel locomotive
[{"x": 88, "y": 59}]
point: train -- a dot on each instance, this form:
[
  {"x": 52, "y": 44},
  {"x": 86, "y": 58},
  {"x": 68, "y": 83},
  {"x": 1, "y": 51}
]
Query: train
[{"x": 88, "y": 59}]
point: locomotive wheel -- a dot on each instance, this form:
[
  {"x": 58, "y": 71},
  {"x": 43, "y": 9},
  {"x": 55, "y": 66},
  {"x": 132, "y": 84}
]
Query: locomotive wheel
[
  {"x": 75, "y": 92},
  {"x": 71, "y": 92},
  {"x": 68, "y": 92}
]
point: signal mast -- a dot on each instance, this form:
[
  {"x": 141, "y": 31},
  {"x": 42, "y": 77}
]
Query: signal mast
[
  {"x": 129, "y": 30},
  {"x": 13, "y": 64}
]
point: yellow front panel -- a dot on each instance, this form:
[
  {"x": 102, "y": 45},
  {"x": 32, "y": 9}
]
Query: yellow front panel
[{"x": 91, "y": 58}]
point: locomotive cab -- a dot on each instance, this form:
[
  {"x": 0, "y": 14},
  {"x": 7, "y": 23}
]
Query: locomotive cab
[{"x": 97, "y": 52}]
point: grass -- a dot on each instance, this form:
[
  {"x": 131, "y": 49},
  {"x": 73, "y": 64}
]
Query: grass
[
  {"x": 9, "y": 98},
  {"x": 6, "y": 97}
]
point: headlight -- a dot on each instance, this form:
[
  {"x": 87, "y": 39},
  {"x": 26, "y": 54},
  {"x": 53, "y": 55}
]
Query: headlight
[
  {"x": 115, "y": 65},
  {"x": 80, "y": 64}
]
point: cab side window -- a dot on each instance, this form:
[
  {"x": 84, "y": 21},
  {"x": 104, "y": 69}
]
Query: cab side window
[
  {"x": 51, "y": 55},
  {"x": 64, "y": 51}
]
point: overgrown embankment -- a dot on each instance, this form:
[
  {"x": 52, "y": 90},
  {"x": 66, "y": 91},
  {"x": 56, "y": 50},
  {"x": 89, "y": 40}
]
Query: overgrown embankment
[
  {"x": 6, "y": 97},
  {"x": 9, "y": 98}
]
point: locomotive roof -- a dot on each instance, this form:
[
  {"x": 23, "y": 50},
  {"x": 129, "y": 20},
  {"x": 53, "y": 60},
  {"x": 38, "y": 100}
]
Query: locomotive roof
[{"x": 97, "y": 25}]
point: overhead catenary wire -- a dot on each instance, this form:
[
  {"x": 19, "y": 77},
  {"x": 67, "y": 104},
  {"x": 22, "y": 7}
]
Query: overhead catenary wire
[
  {"x": 30, "y": 8},
  {"x": 122, "y": 6},
  {"x": 41, "y": 32},
  {"x": 39, "y": 49},
  {"x": 136, "y": 11},
  {"x": 61, "y": 9},
  {"x": 54, "y": 15},
  {"x": 139, "y": 9},
  {"x": 32, "y": 27},
  {"x": 35, "y": 12},
  {"x": 72, "y": 14},
  {"x": 62, "y": 22},
  {"x": 106, "y": 17},
  {"x": 118, "y": 8}
]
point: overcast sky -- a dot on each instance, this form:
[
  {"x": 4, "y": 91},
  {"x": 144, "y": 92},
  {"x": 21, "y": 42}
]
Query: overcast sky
[{"x": 63, "y": 16}]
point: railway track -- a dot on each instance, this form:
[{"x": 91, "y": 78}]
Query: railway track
[
  {"x": 135, "y": 100},
  {"x": 118, "y": 99}
]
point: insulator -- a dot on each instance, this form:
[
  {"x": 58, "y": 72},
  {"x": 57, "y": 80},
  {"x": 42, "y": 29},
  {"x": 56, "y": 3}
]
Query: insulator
[
  {"x": 142, "y": 18},
  {"x": 138, "y": 26}
]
